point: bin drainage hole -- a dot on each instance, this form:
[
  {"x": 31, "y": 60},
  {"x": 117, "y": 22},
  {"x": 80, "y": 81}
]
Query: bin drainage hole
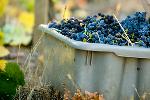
[{"x": 138, "y": 68}]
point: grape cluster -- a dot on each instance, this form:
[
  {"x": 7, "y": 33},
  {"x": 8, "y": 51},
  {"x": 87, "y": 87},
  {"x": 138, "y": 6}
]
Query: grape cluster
[
  {"x": 105, "y": 29},
  {"x": 138, "y": 29}
]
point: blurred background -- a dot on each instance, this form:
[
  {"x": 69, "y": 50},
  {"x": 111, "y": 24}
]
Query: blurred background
[{"x": 19, "y": 19}]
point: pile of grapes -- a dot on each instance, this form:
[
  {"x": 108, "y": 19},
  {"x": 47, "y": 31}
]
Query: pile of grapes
[{"x": 106, "y": 29}]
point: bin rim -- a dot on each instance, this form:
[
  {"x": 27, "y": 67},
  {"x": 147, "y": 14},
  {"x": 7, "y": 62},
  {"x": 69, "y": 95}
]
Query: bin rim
[{"x": 123, "y": 51}]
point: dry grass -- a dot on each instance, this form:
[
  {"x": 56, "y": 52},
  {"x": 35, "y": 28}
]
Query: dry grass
[
  {"x": 49, "y": 93},
  {"x": 38, "y": 93}
]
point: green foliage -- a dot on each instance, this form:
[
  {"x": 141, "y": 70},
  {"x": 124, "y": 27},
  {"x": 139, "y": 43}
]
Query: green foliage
[
  {"x": 10, "y": 79},
  {"x": 27, "y": 4},
  {"x": 56, "y": 1},
  {"x": 1, "y": 37},
  {"x": 16, "y": 34},
  {"x": 3, "y": 52},
  {"x": 13, "y": 71},
  {"x": 3, "y": 4}
]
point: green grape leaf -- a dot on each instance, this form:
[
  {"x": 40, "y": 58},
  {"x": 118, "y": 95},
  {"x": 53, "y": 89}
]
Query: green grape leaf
[
  {"x": 10, "y": 79},
  {"x": 84, "y": 40}
]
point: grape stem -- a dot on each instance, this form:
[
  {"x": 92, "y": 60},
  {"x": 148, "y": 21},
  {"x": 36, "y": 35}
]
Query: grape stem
[
  {"x": 85, "y": 31},
  {"x": 98, "y": 37},
  {"x": 64, "y": 11},
  {"x": 124, "y": 35}
]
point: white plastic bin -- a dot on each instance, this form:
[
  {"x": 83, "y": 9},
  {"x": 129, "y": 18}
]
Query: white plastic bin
[{"x": 115, "y": 71}]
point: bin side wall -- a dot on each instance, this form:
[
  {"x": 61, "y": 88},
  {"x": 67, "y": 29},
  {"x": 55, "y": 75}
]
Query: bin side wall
[
  {"x": 116, "y": 77},
  {"x": 59, "y": 59},
  {"x": 98, "y": 71},
  {"x": 144, "y": 78}
]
